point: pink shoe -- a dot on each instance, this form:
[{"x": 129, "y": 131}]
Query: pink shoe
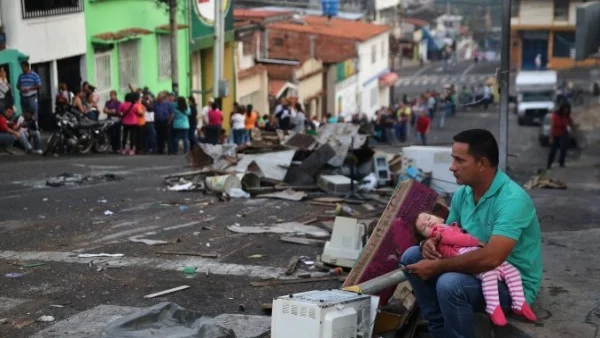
[
  {"x": 123, "y": 151},
  {"x": 526, "y": 312},
  {"x": 498, "y": 317},
  {"x": 132, "y": 152}
]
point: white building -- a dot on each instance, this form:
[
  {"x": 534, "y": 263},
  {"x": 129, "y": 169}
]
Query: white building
[
  {"x": 52, "y": 34},
  {"x": 386, "y": 12},
  {"x": 374, "y": 76}
]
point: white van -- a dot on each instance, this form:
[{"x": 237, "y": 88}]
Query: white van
[{"x": 536, "y": 93}]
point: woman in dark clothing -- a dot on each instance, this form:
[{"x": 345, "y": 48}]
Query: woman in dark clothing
[
  {"x": 193, "y": 121},
  {"x": 560, "y": 124}
]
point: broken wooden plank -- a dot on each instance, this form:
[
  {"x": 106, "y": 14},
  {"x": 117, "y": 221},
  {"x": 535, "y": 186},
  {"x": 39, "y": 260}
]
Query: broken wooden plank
[
  {"x": 324, "y": 204},
  {"x": 204, "y": 255},
  {"x": 293, "y": 281},
  {"x": 166, "y": 292},
  {"x": 303, "y": 241},
  {"x": 291, "y": 268}
]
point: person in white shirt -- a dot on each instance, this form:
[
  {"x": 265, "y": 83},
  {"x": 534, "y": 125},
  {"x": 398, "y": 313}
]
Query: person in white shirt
[{"x": 238, "y": 125}]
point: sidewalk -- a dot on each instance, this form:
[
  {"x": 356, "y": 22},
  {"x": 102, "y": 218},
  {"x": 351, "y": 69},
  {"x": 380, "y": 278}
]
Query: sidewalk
[{"x": 569, "y": 302}]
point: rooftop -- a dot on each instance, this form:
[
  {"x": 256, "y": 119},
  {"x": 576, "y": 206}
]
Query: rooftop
[{"x": 338, "y": 28}]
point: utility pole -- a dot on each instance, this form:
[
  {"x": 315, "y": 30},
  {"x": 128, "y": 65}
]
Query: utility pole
[
  {"x": 218, "y": 51},
  {"x": 504, "y": 78},
  {"x": 173, "y": 39}
]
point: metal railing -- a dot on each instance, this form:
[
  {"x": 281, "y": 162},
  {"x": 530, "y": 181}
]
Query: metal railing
[{"x": 45, "y": 8}]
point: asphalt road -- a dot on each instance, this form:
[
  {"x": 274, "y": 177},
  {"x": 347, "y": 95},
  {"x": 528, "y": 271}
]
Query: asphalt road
[{"x": 51, "y": 225}]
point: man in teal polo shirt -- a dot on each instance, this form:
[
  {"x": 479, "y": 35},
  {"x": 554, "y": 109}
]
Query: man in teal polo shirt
[{"x": 496, "y": 210}]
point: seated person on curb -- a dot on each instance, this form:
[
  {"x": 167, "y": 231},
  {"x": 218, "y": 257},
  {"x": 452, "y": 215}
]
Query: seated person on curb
[
  {"x": 455, "y": 241},
  {"x": 498, "y": 212},
  {"x": 9, "y": 132}
]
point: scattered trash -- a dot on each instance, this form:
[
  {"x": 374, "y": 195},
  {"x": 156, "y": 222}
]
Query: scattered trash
[
  {"x": 275, "y": 282},
  {"x": 3, "y": 321},
  {"x": 148, "y": 241},
  {"x": 288, "y": 194},
  {"x": 108, "y": 213},
  {"x": 292, "y": 265},
  {"x": 68, "y": 179},
  {"x": 166, "y": 292},
  {"x": 257, "y": 256},
  {"x": 208, "y": 245},
  {"x": 23, "y": 323},
  {"x": 282, "y": 228},
  {"x": 189, "y": 270},
  {"x": 182, "y": 187},
  {"x": 45, "y": 199},
  {"x": 13, "y": 275},
  {"x": 346, "y": 210},
  {"x": 33, "y": 265},
  {"x": 545, "y": 182},
  {"x": 368, "y": 183},
  {"x": 167, "y": 320},
  {"x": 237, "y": 193},
  {"x": 102, "y": 201},
  {"x": 99, "y": 255},
  {"x": 303, "y": 241},
  {"x": 45, "y": 319},
  {"x": 183, "y": 208},
  {"x": 204, "y": 255},
  {"x": 57, "y": 305}
]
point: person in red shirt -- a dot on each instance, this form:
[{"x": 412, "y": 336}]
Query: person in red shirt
[
  {"x": 8, "y": 134},
  {"x": 422, "y": 127},
  {"x": 559, "y": 134},
  {"x": 214, "y": 126}
]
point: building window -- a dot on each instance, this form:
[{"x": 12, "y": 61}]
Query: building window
[
  {"x": 164, "y": 56},
  {"x": 515, "y": 8},
  {"x": 383, "y": 49},
  {"x": 563, "y": 44},
  {"x": 103, "y": 76},
  {"x": 39, "y": 8},
  {"x": 129, "y": 64},
  {"x": 561, "y": 10},
  {"x": 375, "y": 96},
  {"x": 373, "y": 53}
]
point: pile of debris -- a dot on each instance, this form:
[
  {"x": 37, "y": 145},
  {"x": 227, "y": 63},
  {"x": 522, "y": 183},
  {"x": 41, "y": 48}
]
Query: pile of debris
[{"x": 287, "y": 165}]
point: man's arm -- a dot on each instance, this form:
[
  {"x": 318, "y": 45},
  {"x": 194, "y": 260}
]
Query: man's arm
[{"x": 512, "y": 217}]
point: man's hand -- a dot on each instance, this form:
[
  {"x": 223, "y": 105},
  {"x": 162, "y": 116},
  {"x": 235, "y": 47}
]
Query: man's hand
[
  {"x": 429, "y": 250},
  {"x": 424, "y": 269}
]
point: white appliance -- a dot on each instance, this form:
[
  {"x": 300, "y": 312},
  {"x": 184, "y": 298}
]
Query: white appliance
[
  {"x": 346, "y": 242},
  {"x": 436, "y": 160},
  {"x": 323, "y": 314}
]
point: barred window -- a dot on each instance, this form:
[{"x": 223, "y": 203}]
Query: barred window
[
  {"x": 129, "y": 64},
  {"x": 164, "y": 57}
]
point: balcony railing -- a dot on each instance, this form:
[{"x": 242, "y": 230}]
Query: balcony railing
[{"x": 45, "y": 8}]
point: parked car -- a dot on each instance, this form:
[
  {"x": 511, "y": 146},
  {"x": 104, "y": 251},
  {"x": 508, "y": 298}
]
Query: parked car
[{"x": 544, "y": 135}]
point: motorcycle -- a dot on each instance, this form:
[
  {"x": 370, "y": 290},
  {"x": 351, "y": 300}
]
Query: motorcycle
[{"x": 76, "y": 133}]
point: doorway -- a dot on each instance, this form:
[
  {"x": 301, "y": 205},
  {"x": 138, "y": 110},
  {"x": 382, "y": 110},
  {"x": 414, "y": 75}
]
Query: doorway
[
  {"x": 44, "y": 95},
  {"x": 69, "y": 72},
  {"x": 534, "y": 43}
]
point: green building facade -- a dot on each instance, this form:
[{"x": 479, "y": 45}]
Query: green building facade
[{"x": 128, "y": 42}]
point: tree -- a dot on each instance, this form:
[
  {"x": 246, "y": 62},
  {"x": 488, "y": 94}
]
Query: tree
[{"x": 173, "y": 28}]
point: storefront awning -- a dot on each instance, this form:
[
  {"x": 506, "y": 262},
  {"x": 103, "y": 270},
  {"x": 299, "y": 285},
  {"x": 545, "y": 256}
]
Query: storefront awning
[
  {"x": 122, "y": 35},
  {"x": 165, "y": 29},
  {"x": 388, "y": 79}
]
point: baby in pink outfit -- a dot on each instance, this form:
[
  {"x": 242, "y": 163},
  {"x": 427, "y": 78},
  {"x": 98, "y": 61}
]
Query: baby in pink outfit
[{"x": 453, "y": 242}]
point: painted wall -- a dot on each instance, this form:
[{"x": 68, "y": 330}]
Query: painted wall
[
  {"x": 384, "y": 96},
  {"x": 541, "y": 12},
  {"x": 43, "y": 39},
  {"x": 346, "y": 97},
  {"x": 311, "y": 76},
  {"x": 104, "y": 16},
  {"x": 383, "y": 4},
  {"x": 369, "y": 71},
  {"x": 329, "y": 105},
  {"x": 256, "y": 87}
]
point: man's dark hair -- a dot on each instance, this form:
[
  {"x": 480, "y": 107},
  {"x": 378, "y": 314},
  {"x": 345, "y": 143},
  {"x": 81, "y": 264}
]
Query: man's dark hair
[
  {"x": 481, "y": 144},
  {"x": 24, "y": 63}
]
